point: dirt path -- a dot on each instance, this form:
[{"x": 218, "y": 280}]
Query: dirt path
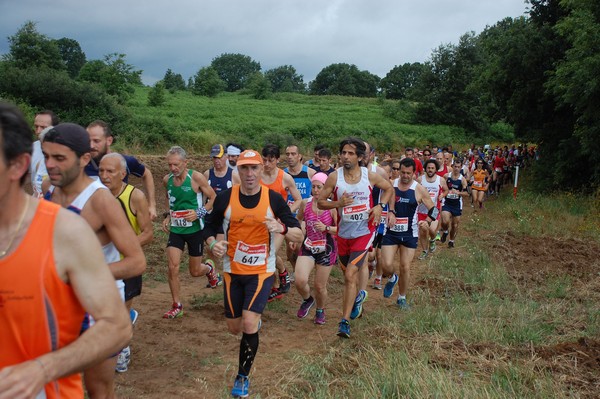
[{"x": 195, "y": 356}]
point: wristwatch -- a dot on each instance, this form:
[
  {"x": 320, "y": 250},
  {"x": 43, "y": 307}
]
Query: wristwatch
[
  {"x": 326, "y": 228},
  {"x": 382, "y": 205}
]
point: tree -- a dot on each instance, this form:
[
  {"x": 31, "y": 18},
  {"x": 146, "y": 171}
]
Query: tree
[
  {"x": 72, "y": 55},
  {"x": 207, "y": 83},
  {"x": 399, "y": 82},
  {"x": 259, "y": 86},
  {"x": 285, "y": 79},
  {"x": 234, "y": 69},
  {"x": 114, "y": 74},
  {"x": 156, "y": 96},
  {"x": 173, "y": 82},
  {"x": 344, "y": 80},
  {"x": 29, "y": 48}
]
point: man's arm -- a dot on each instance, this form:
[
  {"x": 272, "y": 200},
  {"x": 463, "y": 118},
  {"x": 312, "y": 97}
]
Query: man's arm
[
  {"x": 80, "y": 263},
  {"x": 133, "y": 262},
  {"x": 328, "y": 187},
  {"x": 148, "y": 183},
  {"x": 139, "y": 206},
  {"x": 202, "y": 183},
  {"x": 445, "y": 189},
  {"x": 290, "y": 186}
]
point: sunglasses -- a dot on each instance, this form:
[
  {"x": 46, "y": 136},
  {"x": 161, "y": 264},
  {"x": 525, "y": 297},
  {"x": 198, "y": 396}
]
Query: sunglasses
[{"x": 395, "y": 168}]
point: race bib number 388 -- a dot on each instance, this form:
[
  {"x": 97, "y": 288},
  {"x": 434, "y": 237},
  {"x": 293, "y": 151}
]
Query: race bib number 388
[{"x": 250, "y": 255}]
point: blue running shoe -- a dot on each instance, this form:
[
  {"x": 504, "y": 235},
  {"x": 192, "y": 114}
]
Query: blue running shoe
[
  {"x": 388, "y": 290},
  {"x": 357, "y": 309},
  {"x": 240, "y": 387},
  {"x": 133, "y": 315},
  {"x": 402, "y": 304},
  {"x": 344, "y": 329}
]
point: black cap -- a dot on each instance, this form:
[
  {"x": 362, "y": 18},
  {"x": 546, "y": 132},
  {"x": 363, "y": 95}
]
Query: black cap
[{"x": 70, "y": 135}]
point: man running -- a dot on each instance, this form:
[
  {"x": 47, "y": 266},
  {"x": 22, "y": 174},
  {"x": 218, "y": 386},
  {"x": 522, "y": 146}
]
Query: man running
[
  {"x": 453, "y": 203},
  {"x": 251, "y": 217},
  {"x": 277, "y": 180},
  {"x": 186, "y": 193},
  {"x": 37, "y": 170},
  {"x": 402, "y": 237},
  {"x": 352, "y": 187},
  {"x": 437, "y": 189},
  {"x": 67, "y": 149},
  {"x": 112, "y": 171},
  {"x": 51, "y": 272},
  {"x": 101, "y": 137}
]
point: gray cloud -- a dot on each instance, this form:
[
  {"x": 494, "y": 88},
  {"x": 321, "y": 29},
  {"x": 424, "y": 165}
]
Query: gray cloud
[{"x": 186, "y": 35}]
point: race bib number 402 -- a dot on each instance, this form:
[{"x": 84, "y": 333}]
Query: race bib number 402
[{"x": 355, "y": 213}]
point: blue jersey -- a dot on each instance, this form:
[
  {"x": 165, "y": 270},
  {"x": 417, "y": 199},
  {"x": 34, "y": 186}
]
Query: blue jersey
[
  {"x": 406, "y": 212},
  {"x": 220, "y": 183},
  {"x": 454, "y": 200},
  {"x": 303, "y": 184}
]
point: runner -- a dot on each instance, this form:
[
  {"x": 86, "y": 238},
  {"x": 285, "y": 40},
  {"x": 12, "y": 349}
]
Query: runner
[
  {"x": 314, "y": 162},
  {"x": 67, "y": 149},
  {"x": 51, "y": 272},
  {"x": 277, "y": 180},
  {"x": 437, "y": 189},
  {"x": 37, "y": 170},
  {"x": 325, "y": 161},
  {"x": 113, "y": 169},
  {"x": 186, "y": 193},
  {"x": 250, "y": 216},
  {"x": 453, "y": 203},
  {"x": 351, "y": 186},
  {"x": 402, "y": 237},
  {"x": 233, "y": 153},
  {"x": 479, "y": 178},
  {"x": 101, "y": 137},
  {"x": 318, "y": 247},
  {"x": 410, "y": 153}
]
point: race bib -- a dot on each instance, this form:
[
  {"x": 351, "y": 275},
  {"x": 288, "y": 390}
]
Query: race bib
[
  {"x": 383, "y": 219},
  {"x": 401, "y": 225},
  {"x": 178, "y": 219},
  {"x": 478, "y": 184},
  {"x": 355, "y": 213},
  {"x": 452, "y": 196},
  {"x": 250, "y": 255},
  {"x": 316, "y": 246}
]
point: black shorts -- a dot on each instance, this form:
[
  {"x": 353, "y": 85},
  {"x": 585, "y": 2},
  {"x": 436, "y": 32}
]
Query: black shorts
[
  {"x": 133, "y": 287},
  {"x": 246, "y": 292},
  {"x": 193, "y": 240}
]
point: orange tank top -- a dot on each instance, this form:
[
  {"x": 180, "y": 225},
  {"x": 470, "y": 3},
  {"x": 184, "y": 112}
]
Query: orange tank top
[
  {"x": 251, "y": 248},
  {"x": 277, "y": 185},
  {"x": 39, "y": 312},
  {"x": 478, "y": 180}
]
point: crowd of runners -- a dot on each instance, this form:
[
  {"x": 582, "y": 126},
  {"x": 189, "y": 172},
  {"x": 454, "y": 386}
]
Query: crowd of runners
[{"x": 369, "y": 213}]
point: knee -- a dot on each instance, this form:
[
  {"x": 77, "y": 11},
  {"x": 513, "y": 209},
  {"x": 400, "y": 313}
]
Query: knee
[
  {"x": 234, "y": 329},
  {"x": 320, "y": 288}
]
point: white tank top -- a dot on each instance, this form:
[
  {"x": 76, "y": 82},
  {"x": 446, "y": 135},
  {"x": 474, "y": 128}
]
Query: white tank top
[
  {"x": 434, "y": 190},
  {"x": 354, "y": 218}
]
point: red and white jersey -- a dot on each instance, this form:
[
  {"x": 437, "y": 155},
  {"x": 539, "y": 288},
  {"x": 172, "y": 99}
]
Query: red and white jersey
[{"x": 434, "y": 189}]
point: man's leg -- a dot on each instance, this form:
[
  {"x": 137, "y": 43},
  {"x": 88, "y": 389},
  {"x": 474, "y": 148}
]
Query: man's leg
[
  {"x": 406, "y": 257},
  {"x": 174, "y": 260}
]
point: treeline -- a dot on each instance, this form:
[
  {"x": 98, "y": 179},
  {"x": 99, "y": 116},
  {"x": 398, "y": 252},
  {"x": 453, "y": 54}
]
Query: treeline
[{"x": 534, "y": 78}]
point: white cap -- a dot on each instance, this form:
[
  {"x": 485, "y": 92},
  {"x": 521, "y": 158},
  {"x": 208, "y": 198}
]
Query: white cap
[{"x": 233, "y": 150}]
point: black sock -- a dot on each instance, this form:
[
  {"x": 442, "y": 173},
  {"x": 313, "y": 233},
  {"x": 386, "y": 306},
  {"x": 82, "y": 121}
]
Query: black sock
[{"x": 248, "y": 348}]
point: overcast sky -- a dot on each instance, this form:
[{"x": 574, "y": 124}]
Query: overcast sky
[{"x": 185, "y": 35}]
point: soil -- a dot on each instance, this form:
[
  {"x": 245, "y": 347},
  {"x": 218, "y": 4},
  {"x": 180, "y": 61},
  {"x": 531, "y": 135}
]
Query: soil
[{"x": 195, "y": 356}]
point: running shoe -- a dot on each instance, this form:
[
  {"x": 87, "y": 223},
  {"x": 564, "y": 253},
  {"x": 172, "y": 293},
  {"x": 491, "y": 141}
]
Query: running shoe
[
  {"x": 133, "y": 315},
  {"x": 176, "y": 311},
  {"x": 377, "y": 283},
  {"x": 423, "y": 255},
  {"x": 275, "y": 294},
  {"x": 432, "y": 246},
  {"x": 450, "y": 244},
  {"x": 214, "y": 278},
  {"x": 357, "y": 308},
  {"x": 305, "y": 307},
  {"x": 437, "y": 236},
  {"x": 240, "y": 386},
  {"x": 388, "y": 290},
  {"x": 402, "y": 304},
  {"x": 344, "y": 329},
  {"x": 320, "y": 317},
  {"x": 284, "y": 282},
  {"x": 123, "y": 360},
  {"x": 443, "y": 237}
]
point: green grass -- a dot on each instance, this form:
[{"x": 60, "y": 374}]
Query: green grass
[{"x": 198, "y": 122}]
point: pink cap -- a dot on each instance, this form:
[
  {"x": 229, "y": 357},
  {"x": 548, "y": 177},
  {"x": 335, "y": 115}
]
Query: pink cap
[{"x": 321, "y": 177}]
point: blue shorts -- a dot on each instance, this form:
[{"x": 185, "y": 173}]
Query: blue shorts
[
  {"x": 395, "y": 239},
  {"x": 454, "y": 210},
  {"x": 246, "y": 292}
]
